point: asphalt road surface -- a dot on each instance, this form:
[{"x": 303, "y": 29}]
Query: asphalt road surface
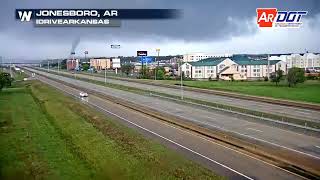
[
  {"x": 294, "y": 112},
  {"x": 221, "y": 159},
  {"x": 299, "y": 143}
]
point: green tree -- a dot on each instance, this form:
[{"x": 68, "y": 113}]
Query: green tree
[
  {"x": 127, "y": 68},
  {"x": 160, "y": 74},
  {"x": 85, "y": 66},
  {"x": 295, "y": 76},
  {"x": 144, "y": 72},
  {"x": 5, "y": 80},
  {"x": 63, "y": 64},
  {"x": 277, "y": 76}
]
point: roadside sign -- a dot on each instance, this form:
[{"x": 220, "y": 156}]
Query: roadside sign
[
  {"x": 158, "y": 49},
  {"x": 86, "y": 52},
  {"x": 115, "y": 46},
  {"x": 116, "y": 63},
  {"x": 142, "y": 53},
  {"x": 146, "y": 59}
]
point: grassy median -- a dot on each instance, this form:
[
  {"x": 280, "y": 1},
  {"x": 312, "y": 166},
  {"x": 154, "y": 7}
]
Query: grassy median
[
  {"x": 46, "y": 135},
  {"x": 305, "y": 92}
]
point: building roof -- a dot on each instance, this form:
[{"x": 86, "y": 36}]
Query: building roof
[
  {"x": 245, "y": 60},
  {"x": 239, "y": 59},
  {"x": 208, "y": 62},
  {"x": 257, "y": 62}
]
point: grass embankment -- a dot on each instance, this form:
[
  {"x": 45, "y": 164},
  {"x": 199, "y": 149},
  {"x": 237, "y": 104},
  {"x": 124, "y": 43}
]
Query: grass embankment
[
  {"x": 307, "y": 92},
  {"x": 46, "y": 135},
  {"x": 177, "y": 99}
]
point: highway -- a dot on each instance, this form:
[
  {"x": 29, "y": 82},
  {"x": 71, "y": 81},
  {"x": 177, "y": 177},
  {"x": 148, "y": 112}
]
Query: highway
[
  {"x": 299, "y": 143},
  {"x": 222, "y": 159},
  {"x": 293, "y": 112}
]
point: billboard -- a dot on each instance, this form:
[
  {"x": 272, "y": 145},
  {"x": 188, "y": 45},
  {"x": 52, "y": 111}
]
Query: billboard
[
  {"x": 115, "y": 46},
  {"x": 146, "y": 59},
  {"x": 142, "y": 53},
  {"x": 116, "y": 63}
]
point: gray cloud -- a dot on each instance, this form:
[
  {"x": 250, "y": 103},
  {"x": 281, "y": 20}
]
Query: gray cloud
[{"x": 202, "y": 21}]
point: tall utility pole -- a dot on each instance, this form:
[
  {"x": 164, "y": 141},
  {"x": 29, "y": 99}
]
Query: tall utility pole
[
  {"x": 105, "y": 75},
  {"x": 181, "y": 85},
  {"x": 305, "y": 61},
  {"x": 268, "y": 67},
  {"x": 85, "y": 55},
  {"x": 10, "y": 68},
  {"x": 58, "y": 66},
  {"x": 48, "y": 65},
  {"x": 156, "y": 68}
]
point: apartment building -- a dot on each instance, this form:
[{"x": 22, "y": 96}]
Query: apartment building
[
  {"x": 238, "y": 68},
  {"x": 306, "y": 60}
]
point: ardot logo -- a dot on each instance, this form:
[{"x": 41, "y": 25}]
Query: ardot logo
[{"x": 271, "y": 17}]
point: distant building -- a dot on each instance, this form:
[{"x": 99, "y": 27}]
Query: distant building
[
  {"x": 306, "y": 60},
  {"x": 193, "y": 57},
  {"x": 73, "y": 64},
  {"x": 238, "y": 68},
  {"x": 101, "y": 63}
]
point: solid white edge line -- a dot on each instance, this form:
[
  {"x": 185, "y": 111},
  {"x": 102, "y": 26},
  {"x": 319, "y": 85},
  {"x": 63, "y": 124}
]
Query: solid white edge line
[
  {"x": 154, "y": 133},
  {"x": 251, "y": 137}
]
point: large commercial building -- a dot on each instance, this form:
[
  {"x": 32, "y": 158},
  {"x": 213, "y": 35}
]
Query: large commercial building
[
  {"x": 101, "y": 63},
  {"x": 192, "y": 57},
  {"x": 237, "y": 67}
]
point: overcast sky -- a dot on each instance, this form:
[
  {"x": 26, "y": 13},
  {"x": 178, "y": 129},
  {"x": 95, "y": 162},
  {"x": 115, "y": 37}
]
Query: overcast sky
[{"x": 213, "y": 26}]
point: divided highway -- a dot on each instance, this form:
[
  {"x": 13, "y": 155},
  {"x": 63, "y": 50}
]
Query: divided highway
[
  {"x": 300, "y": 143},
  {"x": 287, "y": 111},
  {"x": 220, "y": 158}
]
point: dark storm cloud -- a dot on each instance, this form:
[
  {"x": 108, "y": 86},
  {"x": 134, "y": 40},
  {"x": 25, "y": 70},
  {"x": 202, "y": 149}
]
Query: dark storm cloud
[{"x": 203, "y": 20}]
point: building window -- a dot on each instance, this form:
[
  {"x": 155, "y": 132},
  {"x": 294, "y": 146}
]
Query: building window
[{"x": 187, "y": 66}]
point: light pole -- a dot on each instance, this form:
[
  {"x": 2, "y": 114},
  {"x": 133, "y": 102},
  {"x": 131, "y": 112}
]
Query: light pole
[
  {"x": 85, "y": 55},
  {"x": 105, "y": 75},
  {"x": 156, "y": 68},
  {"x": 58, "y": 66},
  {"x": 10, "y": 68},
  {"x": 268, "y": 67},
  {"x": 48, "y": 65},
  {"x": 181, "y": 85}
]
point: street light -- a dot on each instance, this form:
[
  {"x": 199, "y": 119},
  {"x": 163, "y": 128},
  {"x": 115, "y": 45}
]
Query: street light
[
  {"x": 105, "y": 75},
  {"x": 58, "y": 66},
  {"x": 155, "y": 69},
  {"x": 268, "y": 67},
  {"x": 181, "y": 85}
]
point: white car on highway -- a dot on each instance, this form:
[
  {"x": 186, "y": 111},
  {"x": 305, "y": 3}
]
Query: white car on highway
[{"x": 83, "y": 94}]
